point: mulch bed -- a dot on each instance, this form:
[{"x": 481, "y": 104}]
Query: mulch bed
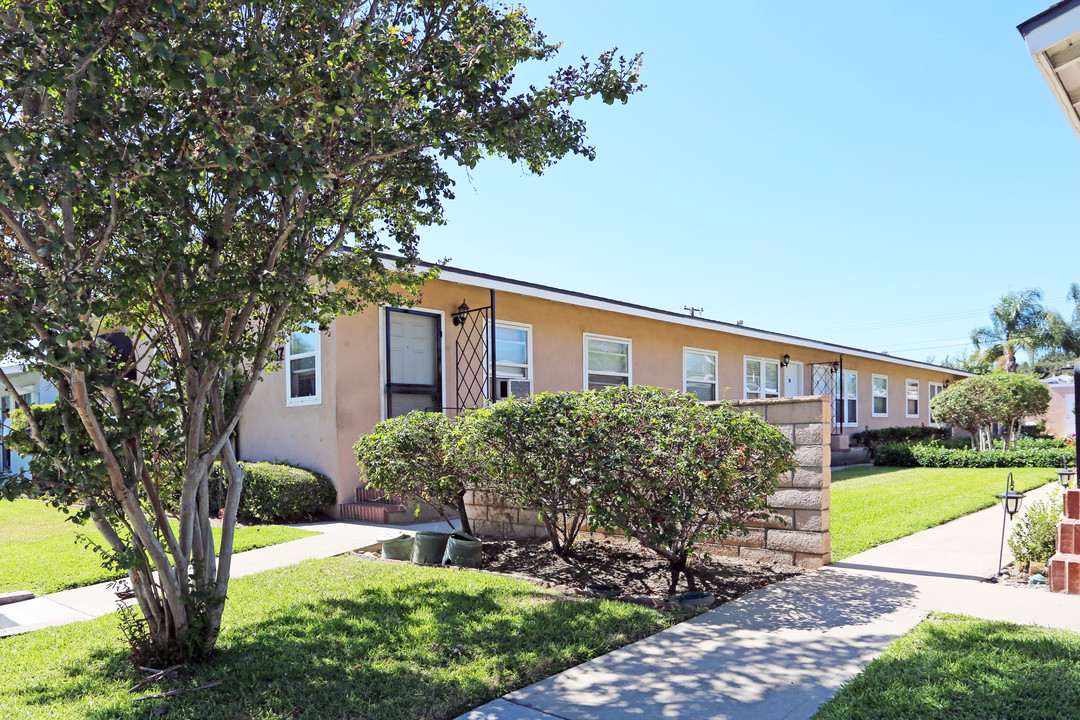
[{"x": 616, "y": 562}]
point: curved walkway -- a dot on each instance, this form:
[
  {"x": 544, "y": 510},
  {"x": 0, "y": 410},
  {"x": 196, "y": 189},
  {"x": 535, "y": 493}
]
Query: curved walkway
[{"x": 782, "y": 651}]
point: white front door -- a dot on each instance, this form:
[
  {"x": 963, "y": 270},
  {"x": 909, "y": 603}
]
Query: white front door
[
  {"x": 413, "y": 377},
  {"x": 793, "y": 379}
]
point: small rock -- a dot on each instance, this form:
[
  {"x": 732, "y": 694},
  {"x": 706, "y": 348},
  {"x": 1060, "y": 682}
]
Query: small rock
[{"x": 1038, "y": 579}]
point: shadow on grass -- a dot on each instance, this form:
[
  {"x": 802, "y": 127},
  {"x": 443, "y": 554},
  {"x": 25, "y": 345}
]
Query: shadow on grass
[
  {"x": 420, "y": 649},
  {"x": 962, "y": 668}
]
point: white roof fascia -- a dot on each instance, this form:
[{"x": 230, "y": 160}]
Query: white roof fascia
[
  {"x": 1047, "y": 34},
  {"x": 452, "y": 275}
]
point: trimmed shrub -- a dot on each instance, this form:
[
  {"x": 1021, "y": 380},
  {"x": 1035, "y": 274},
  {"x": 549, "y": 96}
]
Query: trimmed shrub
[
  {"x": 274, "y": 492},
  {"x": 1035, "y": 535},
  {"x": 895, "y": 454},
  {"x": 651, "y": 464},
  {"x": 421, "y": 457},
  {"x": 940, "y": 457},
  {"x": 872, "y": 439}
]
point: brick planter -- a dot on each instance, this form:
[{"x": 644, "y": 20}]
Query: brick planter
[{"x": 1065, "y": 565}]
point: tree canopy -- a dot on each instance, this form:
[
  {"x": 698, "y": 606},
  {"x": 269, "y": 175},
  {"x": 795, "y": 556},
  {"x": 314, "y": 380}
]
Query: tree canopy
[
  {"x": 1019, "y": 320},
  {"x": 202, "y": 178},
  {"x": 975, "y": 403}
]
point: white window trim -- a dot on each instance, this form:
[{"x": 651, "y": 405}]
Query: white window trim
[
  {"x": 716, "y": 367},
  {"x": 315, "y": 399},
  {"x": 528, "y": 349},
  {"x": 761, "y": 393},
  {"x": 585, "y": 338},
  {"x": 848, "y": 422},
  {"x": 918, "y": 398},
  {"x": 929, "y": 414},
  {"x": 382, "y": 352},
  {"x": 528, "y": 328},
  {"x": 874, "y": 395}
]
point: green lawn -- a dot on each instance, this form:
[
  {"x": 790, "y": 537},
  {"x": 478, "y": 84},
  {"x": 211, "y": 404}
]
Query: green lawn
[
  {"x": 338, "y": 638},
  {"x": 966, "y": 669},
  {"x": 40, "y": 550},
  {"x": 875, "y": 505}
]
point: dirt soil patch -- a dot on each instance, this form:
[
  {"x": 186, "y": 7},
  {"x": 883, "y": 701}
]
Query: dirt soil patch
[{"x": 637, "y": 569}]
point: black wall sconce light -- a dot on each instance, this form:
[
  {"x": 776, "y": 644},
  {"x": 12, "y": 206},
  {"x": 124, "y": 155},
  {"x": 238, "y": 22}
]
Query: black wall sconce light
[
  {"x": 462, "y": 313},
  {"x": 785, "y": 360}
]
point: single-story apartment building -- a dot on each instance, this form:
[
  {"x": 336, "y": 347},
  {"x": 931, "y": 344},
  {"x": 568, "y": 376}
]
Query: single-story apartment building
[{"x": 440, "y": 355}]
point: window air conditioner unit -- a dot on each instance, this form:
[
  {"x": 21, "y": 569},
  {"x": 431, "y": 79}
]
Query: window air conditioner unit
[{"x": 507, "y": 387}]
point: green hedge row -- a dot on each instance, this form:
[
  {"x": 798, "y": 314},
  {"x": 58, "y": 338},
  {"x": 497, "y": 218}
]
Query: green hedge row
[
  {"x": 907, "y": 433},
  {"x": 275, "y": 492},
  {"x": 930, "y": 455}
]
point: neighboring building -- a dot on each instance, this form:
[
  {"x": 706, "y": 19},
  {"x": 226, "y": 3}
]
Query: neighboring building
[
  {"x": 387, "y": 361},
  {"x": 35, "y": 391},
  {"x": 1061, "y": 414}
]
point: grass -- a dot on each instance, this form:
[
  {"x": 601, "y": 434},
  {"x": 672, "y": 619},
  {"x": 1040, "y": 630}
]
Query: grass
[
  {"x": 958, "y": 667},
  {"x": 338, "y": 638},
  {"x": 42, "y": 552},
  {"x": 875, "y": 505}
]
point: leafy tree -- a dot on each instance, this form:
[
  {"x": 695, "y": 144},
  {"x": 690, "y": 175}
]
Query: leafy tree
[
  {"x": 423, "y": 457},
  {"x": 1023, "y": 397},
  {"x": 178, "y": 180},
  {"x": 974, "y": 404},
  {"x": 976, "y": 361},
  {"x": 1019, "y": 320}
]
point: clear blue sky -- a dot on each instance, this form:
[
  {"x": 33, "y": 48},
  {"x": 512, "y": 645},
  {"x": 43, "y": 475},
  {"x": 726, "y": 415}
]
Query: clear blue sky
[{"x": 870, "y": 174}]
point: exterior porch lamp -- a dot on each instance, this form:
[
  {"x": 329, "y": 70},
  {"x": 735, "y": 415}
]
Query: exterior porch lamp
[
  {"x": 462, "y": 313},
  {"x": 1010, "y": 503},
  {"x": 785, "y": 360}
]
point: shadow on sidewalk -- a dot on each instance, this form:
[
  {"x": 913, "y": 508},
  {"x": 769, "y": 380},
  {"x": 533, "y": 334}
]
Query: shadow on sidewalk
[{"x": 791, "y": 644}]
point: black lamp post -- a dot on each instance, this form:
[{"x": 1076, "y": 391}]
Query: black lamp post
[{"x": 1010, "y": 503}]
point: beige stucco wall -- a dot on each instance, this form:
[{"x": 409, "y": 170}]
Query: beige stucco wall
[
  {"x": 321, "y": 436},
  {"x": 1057, "y": 422}
]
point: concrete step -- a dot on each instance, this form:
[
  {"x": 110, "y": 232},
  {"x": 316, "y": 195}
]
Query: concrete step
[{"x": 369, "y": 512}]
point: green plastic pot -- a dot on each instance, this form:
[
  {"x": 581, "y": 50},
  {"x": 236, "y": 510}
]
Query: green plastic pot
[
  {"x": 463, "y": 550},
  {"x": 428, "y": 547},
  {"x": 396, "y": 547}
]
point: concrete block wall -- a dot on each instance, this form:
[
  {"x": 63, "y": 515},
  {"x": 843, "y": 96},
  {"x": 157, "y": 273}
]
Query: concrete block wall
[{"x": 799, "y": 534}]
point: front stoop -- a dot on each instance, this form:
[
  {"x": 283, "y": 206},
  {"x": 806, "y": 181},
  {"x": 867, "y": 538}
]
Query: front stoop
[
  {"x": 1065, "y": 565},
  {"x": 372, "y": 506}
]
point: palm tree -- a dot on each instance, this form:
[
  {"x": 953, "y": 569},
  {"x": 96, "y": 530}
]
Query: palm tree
[
  {"x": 1066, "y": 333},
  {"x": 1019, "y": 320}
]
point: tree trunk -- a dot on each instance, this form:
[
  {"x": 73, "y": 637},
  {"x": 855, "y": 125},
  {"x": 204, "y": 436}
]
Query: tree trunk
[{"x": 463, "y": 513}]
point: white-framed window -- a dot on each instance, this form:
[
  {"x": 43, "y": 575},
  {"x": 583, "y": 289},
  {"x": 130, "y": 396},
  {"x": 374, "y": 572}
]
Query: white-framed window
[
  {"x": 934, "y": 388},
  {"x": 302, "y": 368},
  {"x": 761, "y": 377},
  {"x": 513, "y": 358},
  {"x": 699, "y": 373},
  {"x": 912, "y": 395},
  {"x": 608, "y": 361},
  {"x": 880, "y": 392},
  {"x": 846, "y": 399}
]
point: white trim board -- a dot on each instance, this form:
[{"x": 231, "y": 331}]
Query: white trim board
[{"x": 568, "y": 297}]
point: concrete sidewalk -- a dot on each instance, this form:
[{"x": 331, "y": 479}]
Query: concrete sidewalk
[
  {"x": 93, "y": 601},
  {"x": 782, "y": 651}
]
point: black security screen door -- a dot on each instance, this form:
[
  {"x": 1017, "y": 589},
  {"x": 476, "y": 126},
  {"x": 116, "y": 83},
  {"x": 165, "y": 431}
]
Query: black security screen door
[{"x": 413, "y": 362}]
